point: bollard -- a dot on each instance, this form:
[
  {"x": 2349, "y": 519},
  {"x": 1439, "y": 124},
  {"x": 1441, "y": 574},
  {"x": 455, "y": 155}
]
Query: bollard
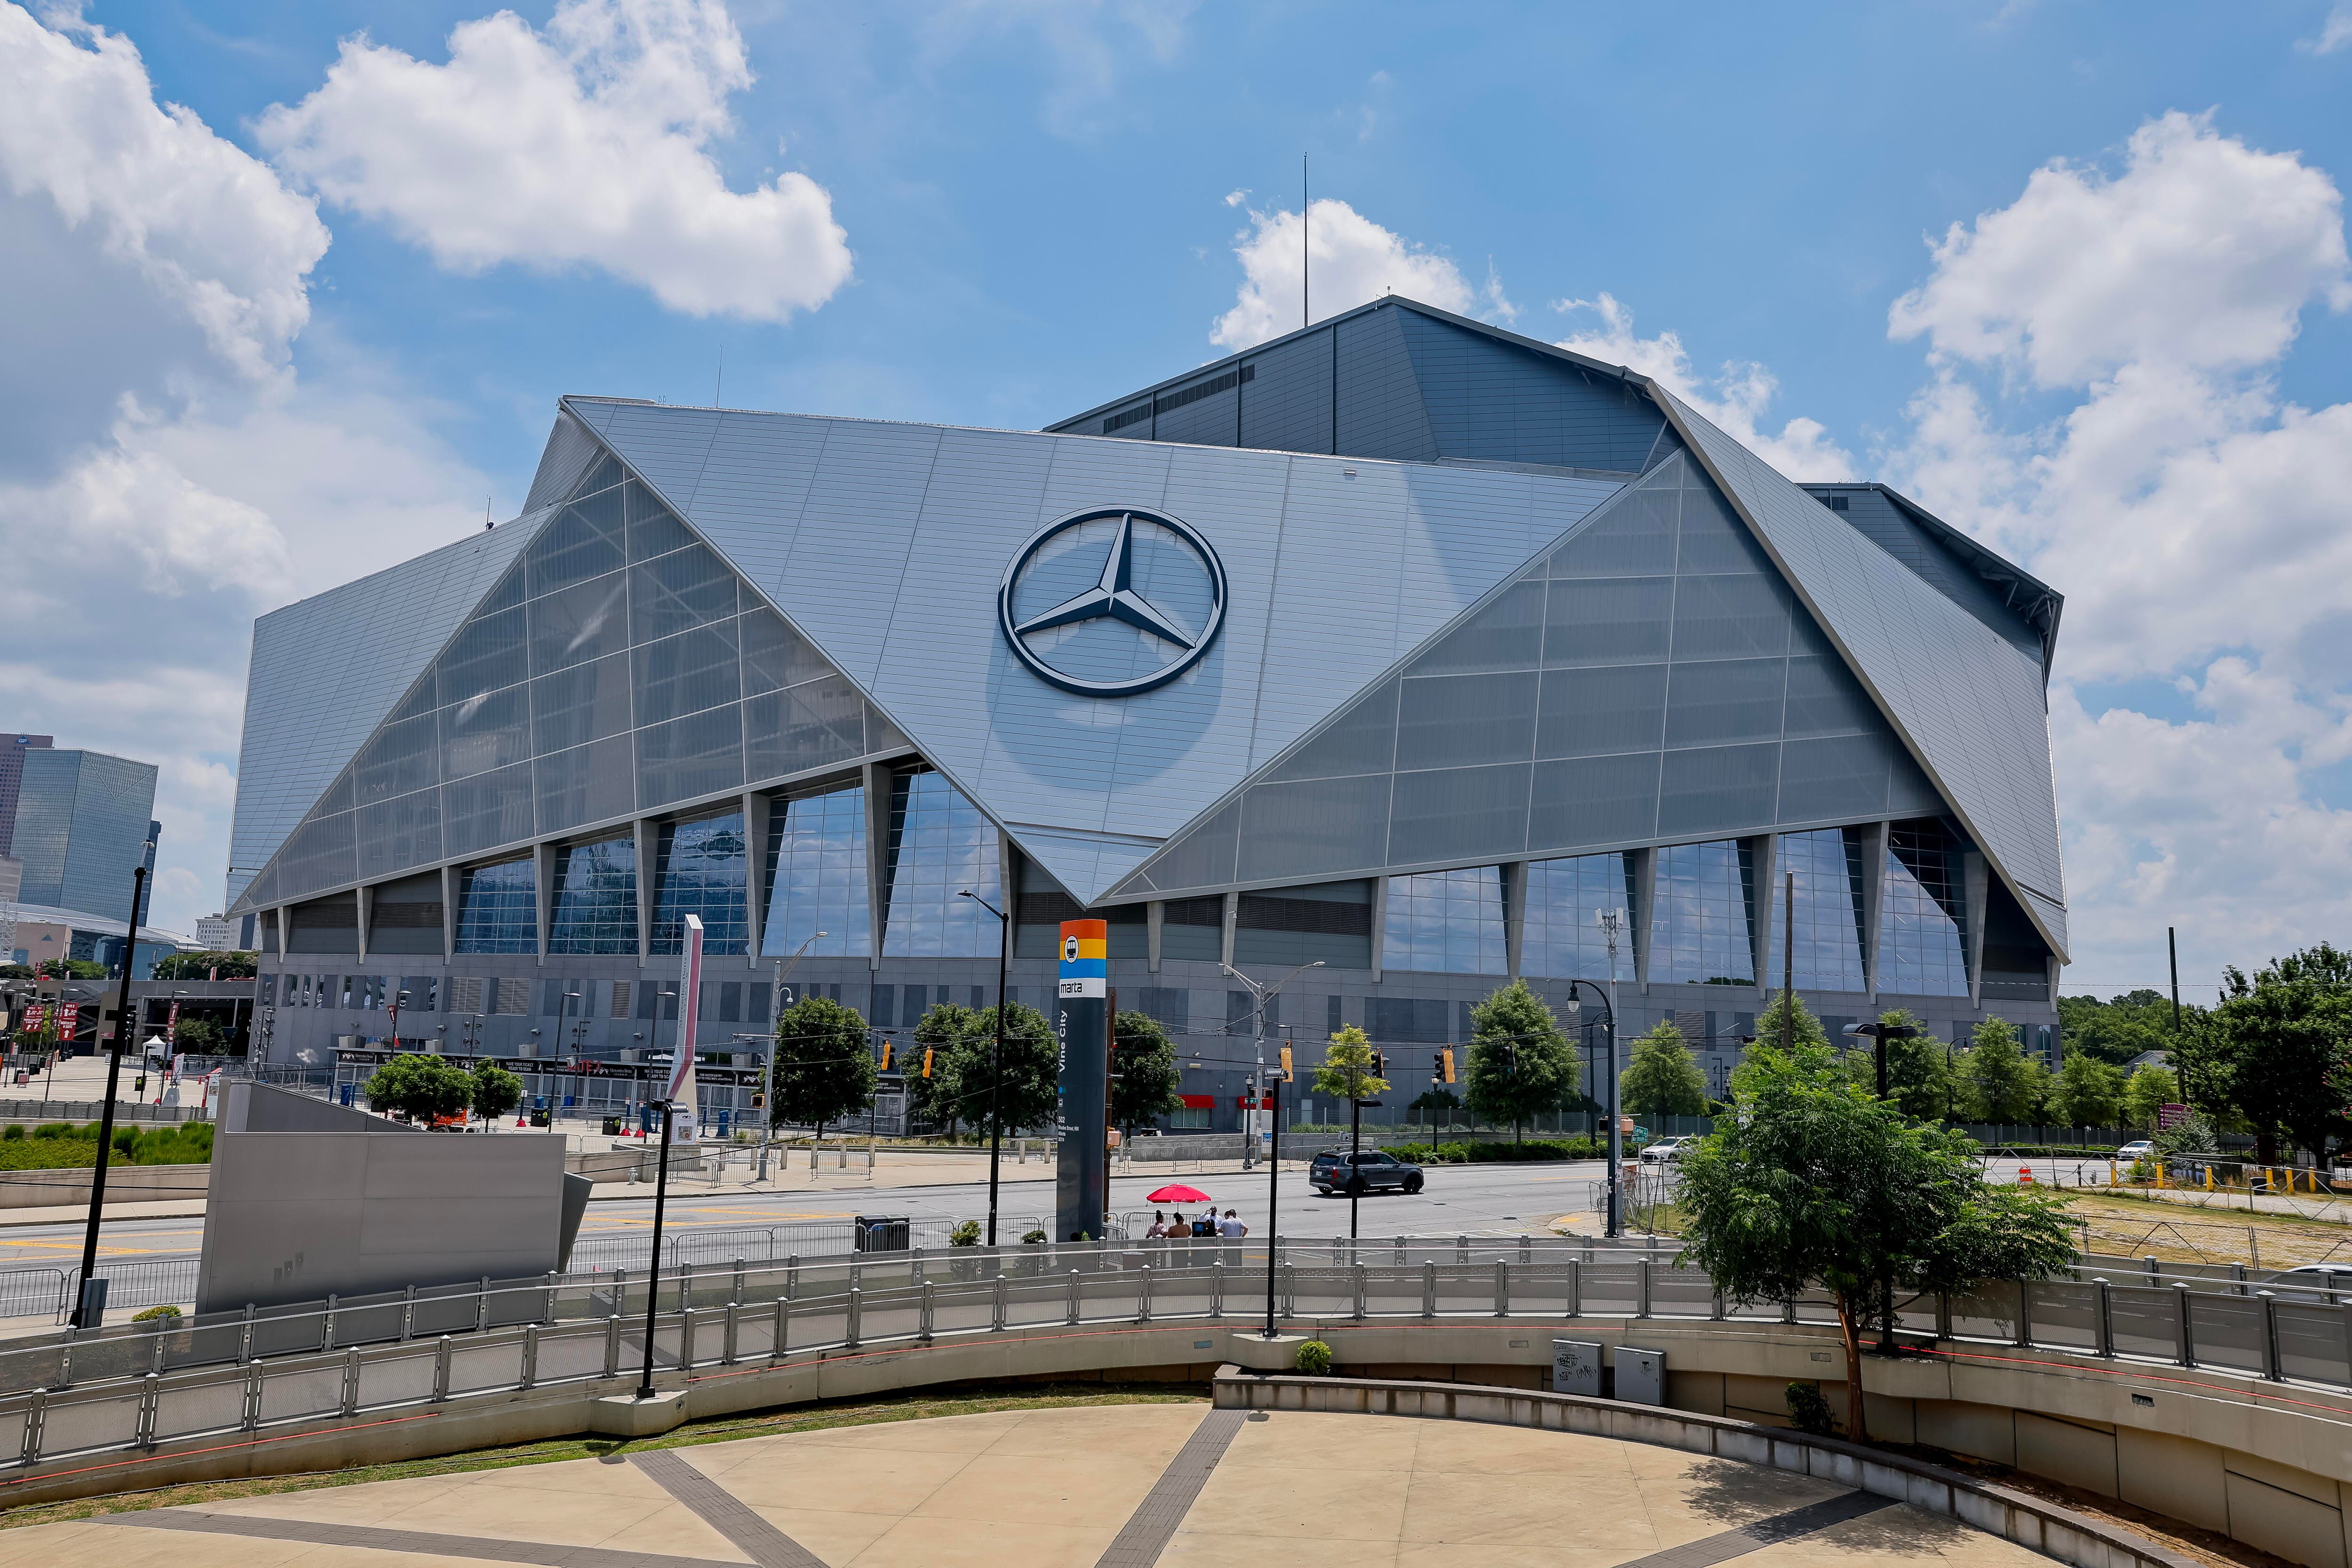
[
  {"x": 1643, "y": 1268},
  {"x": 2273, "y": 1367},
  {"x": 2238, "y": 1273},
  {"x": 923, "y": 1322},
  {"x": 776, "y": 1343},
  {"x": 529, "y": 1354},
  {"x": 997, "y": 1301},
  {"x": 1428, "y": 1288},
  {"x": 2184, "y": 1326},
  {"x": 1575, "y": 1288},
  {"x": 613, "y": 1343},
  {"x": 2107, "y": 1336},
  {"x": 1359, "y": 1278},
  {"x": 1217, "y": 1288},
  {"x": 1071, "y": 1313},
  {"x": 732, "y": 1338},
  {"x": 856, "y": 1309},
  {"x": 2153, "y": 1271},
  {"x": 352, "y": 1381},
  {"x": 144, "y": 1434},
  {"x": 1143, "y": 1296},
  {"x": 685, "y": 1337},
  {"x": 1502, "y": 1289}
]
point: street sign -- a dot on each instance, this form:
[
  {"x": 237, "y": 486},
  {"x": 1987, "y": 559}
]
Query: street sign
[{"x": 2170, "y": 1116}]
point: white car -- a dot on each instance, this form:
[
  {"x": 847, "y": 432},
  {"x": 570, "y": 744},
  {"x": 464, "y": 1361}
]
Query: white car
[
  {"x": 1665, "y": 1150},
  {"x": 2138, "y": 1149}
]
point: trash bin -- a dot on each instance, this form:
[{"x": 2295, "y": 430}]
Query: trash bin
[
  {"x": 882, "y": 1233},
  {"x": 611, "y": 1126}
]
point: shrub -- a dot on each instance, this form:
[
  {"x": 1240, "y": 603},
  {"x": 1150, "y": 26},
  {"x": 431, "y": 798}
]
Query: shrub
[
  {"x": 153, "y": 1313},
  {"x": 965, "y": 1234},
  {"x": 14, "y": 1130},
  {"x": 1033, "y": 1239},
  {"x": 53, "y": 1130},
  {"x": 1808, "y": 1410},
  {"x": 1314, "y": 1359}
]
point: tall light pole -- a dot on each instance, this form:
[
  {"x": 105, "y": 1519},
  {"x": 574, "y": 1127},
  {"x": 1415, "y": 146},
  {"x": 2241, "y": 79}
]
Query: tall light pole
[
  {"x": 1881, "y": 1031},
  {"x": 1616, "y": 1210},
  {"x": 90, "y": 1313},
  {"x": 996, "y": 1059},
  {"x": 1261, "y": 997},
  {"x": 661, "y": 1202}
]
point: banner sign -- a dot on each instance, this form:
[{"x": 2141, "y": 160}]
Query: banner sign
[
  {"x": 2170, "y": 1116},
  {"x": 681, "y": 1092},
  {"x": 1086, "y": 951},
  {"x": 1081, "y": 1112}
]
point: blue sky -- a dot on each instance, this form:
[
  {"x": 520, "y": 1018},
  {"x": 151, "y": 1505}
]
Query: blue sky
[{"x": 1040, "y": 206}]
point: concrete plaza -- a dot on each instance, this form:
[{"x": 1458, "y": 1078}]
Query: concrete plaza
[{"x": 1176, "y": 1484}]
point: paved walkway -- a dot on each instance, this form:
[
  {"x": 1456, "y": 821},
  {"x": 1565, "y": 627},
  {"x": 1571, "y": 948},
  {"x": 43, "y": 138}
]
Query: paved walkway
[{"x": 1097, "y": 1486}]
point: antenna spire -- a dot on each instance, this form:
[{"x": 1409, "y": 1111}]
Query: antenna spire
[
  {"x": 487, "y": 523},
  {"x": 1305, "y": 256}
]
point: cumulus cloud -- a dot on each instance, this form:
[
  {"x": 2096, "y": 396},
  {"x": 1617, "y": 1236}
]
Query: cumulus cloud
[
  {"x": 589, "y": 145},
  {"x": 1734, "y": 398},
  {"x": 1349, "y": 259},
  {"x": 2191, "y": 514},
  {"x": 164, "y": 473}
]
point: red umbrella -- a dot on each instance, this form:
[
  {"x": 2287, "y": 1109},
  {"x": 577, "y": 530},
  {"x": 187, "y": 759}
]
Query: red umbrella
[{"x": 1177, "y": 1193}]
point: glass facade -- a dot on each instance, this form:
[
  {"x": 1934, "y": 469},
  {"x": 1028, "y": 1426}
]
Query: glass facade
[
  {"x": 1827, "y": 928},
  {"x": 1445, "y": 922},
  {"x": 816, "y": 877},
  {"x": 702, "y": 870},
  {"x": 595, "y": 898},
  {"x": 1923, "y": 932},
  {"x": 1562, "y": 938},
  {"x": 940, "y": 844},
  {"x": 497, "y": 908},
  {"x": 1702, "y": 933}
]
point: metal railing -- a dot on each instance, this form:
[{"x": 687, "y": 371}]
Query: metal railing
[{"x": 129, "y": 1389}]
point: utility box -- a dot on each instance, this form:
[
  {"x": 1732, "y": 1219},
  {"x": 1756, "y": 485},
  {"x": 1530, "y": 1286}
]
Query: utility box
[
  {"x": 1576, "y": 1367},
  {"x": 1640, "y": 1375}
]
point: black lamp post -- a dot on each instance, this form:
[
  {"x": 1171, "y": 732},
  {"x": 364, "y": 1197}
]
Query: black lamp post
[
  {"x": 90, "y": 1308},
  {"x": 996, "y": 1056},
  {"x": 1614, "y": 1224},
  {"x": 661, "y": 1201},
  {"x": 1274, "y": 1077},
  {"x": 1881, "y": 1033}
]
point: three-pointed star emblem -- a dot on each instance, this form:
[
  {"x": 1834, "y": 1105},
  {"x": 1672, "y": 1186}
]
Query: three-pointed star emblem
[{"x": 1112, "y": 598}]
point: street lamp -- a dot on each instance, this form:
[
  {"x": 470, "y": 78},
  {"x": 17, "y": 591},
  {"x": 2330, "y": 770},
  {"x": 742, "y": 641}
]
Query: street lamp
[
  {"x": 661, "y": 1201},
  {"x": 89, "y": 1306},
  {"x": 1262, "y": 995},
  {"x": 1882, "y": 1032},
  {"x": 996, "y": 1059},
  {"x": 1615, "y": 1221}
]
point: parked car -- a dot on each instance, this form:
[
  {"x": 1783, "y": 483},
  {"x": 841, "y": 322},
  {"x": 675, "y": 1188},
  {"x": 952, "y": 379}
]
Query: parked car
[
  {"x": 1665, "y": 1150},
  {"x": 2138, "y": 1149},
  {"x": 1373, "y": 1171}
]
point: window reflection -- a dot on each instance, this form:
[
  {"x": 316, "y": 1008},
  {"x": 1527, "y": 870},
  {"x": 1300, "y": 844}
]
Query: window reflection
[
  {"x": 595, "y": 898},
  {"x": 1445, "y": 922},
  {"x": 1924, "y": 939},
  {"x": 1827, "y": 925},
  {"x": 702, "y": 867},
  {"x": 939, "y": 843},
  {"x": 1563, "y": 938},
  {"x": 497, "y": 908},
  {"x": 1701, "y": 935},
  {"x": 816, "y": 877}
]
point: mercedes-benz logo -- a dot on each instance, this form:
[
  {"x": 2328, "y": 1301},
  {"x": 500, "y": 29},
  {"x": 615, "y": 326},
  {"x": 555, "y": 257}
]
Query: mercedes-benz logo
[{"x": 1112, "y": 601}]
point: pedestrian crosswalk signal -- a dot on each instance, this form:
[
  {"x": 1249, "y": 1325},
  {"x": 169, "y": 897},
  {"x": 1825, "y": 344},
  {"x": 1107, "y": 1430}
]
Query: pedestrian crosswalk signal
[
  {"x": 1380, "y": 1064},
  {"x": 1446, "y": 1058}
]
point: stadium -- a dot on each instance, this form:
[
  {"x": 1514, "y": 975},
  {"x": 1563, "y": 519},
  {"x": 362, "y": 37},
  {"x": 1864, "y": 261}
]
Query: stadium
[{"x": 1401, "y": 645}]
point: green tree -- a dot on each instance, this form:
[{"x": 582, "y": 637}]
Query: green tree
[
  {"x": 1144, "y": 1071},
  {"x": 2089, "y": 1092},
  {"x": 2117, "y": 1030},
  {"x": 940, "y": 1032},
  {"x": 1520, "y": 1063},
  {"x": 2283, "y": 1042},
  {"x": 69, "y": 969},
  {"x": 1032, "y": 1061},
  {"x": 1346, "y": 1073},
  {"x": 199, "y": 1037},
  {"x": 200, "y": 965},
  {"x": 1920, "y": 1075},
  {"x": 1663, "y": 1079},
  {"x": 419, "y": 1087},
  {"x": 2001, "y": 1081},
  {"x": 1812, "y": 1182},
  {"x": 1438, "y": 1103},
  {"x": 496, "y": 1090},
  {"x": 1786, "y": 1026},
  {"x": 2148, "y": 1089},
  {"x": 823, "y": 1068}
]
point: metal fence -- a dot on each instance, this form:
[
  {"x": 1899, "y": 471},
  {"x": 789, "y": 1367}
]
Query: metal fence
[{"x": 129, "y": 1389}]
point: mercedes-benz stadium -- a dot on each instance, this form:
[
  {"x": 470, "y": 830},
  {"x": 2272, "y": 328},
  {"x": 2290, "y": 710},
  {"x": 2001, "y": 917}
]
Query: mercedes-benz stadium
[{"x": 1401, "y": 642}]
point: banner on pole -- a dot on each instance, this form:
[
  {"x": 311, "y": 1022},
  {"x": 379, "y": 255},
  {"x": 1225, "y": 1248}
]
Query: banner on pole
[{"x": 682, "y": 1089}]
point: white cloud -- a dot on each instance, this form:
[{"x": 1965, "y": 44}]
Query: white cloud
[
  {"x": 164, "y": 473},
  {"x": 586, "y": 145},
  {"x": 1349, "y": 261},
  {"x": 1089, "y": 47},
  {"x": 1734, "y": 399},
  {"x": 2335, "y": 33},
  {"x": 2192, "y": 516}
]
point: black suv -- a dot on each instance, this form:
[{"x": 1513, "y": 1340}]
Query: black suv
[{"x": 1373, "y": 1172}]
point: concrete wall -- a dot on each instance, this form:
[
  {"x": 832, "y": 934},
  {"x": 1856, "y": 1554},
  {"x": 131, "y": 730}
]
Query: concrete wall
[
  {"x": 124, "y": 1184},
  {"x": 296, "y": 1216},
  {"x": 249, "y": 1107}
]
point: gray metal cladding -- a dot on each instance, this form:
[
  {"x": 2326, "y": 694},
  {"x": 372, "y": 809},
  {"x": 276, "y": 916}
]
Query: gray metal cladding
[
  {"x": 327, "y": 670},
  {"x": 1287, "y": 406},
  {"x": 1210, "y": 421},
  {"x": 1649, "y": 677},
  {"x": 1878, "y": 517},
  {"x": 1967, "y": 700},
  {"x": 897, "y": 536},
  {"x": 1381, "y": 412},
  {"x": 570, "y": 452},
  {"x": 1492, "y": 400}
]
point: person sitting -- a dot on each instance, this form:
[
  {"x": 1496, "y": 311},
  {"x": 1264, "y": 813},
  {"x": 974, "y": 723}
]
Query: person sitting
[
  {"x": 1158, "y": 1226},
  {"x": 1231, "y": 1227}
]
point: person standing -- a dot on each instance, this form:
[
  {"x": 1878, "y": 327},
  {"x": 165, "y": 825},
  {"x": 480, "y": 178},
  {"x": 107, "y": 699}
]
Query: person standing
[{"x": 1231, "y": 1228}]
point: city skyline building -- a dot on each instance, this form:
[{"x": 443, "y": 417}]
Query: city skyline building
[
  {"x": 1401, "y": 642},
  {"x": 12, "y": 780},
  {"x": 83, "y": 820}
]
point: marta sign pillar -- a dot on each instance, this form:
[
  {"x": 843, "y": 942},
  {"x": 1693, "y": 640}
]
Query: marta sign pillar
[{"x": 1081, "y": 1022}]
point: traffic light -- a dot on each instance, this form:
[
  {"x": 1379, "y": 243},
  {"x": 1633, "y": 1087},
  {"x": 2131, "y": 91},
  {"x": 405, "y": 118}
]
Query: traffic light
[
  {"x": 927, "y": 1062},
  {"x": 1380, "y": 1064},
  {"x": 886, "y": 1055},
  {"x": 1447, "y": 1058},
  {"x": 1286, "y": 1063}
]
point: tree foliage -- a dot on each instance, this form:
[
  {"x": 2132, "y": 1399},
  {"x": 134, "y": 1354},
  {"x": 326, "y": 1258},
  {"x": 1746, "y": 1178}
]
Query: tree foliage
[
  {"x": 939, "y": 1032},
  {"x": 1921, "y": 1077},
  {"x": 2147, "y": 1091},
  {"x": 2089, "y": 1092},
  {"x": 200, "y": 965},
  {"x": 1812, "y": 1182},
  {"x": 198, "y": 1037},
  {"x": 1032, "y": 1068},
  {"x": 420, "y": 1087},
  {"x": 2278, "y": 1050},
  {"x": 824, "y": 1069},
  {"x": 2117, "y": 1030},
  {"x": 1520, "y": 1063},
  {"x": 2005, "y": 1085},
  {"x": 495, "y": 1091},
  {"x": 1662, "y": 1079},
  {"x": 1144, "y": 1071},
  {"x": 1347, "y": 1070}
]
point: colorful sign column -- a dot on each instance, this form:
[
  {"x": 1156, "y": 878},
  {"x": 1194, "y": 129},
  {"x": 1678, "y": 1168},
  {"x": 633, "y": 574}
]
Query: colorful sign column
[{"x": 1082, "y": 1025}]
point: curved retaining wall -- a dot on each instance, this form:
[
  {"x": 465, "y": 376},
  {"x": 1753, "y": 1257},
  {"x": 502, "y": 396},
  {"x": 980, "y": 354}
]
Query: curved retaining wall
[{"x": 2266, "y": 1463}]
